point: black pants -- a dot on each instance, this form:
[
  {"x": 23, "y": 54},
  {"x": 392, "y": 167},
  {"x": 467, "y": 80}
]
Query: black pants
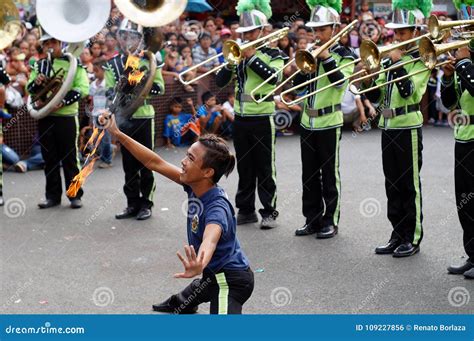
[
  {"x": 402, "y": 160},
  {"x": 58, "y": 136},
  {"x": 227, "y": 291},
  {"x": 321, "y": 178},
  {"x": 254, "y": 142},
  {"x": 464, "y": 187},
  {"x": 139, "y": 185}
]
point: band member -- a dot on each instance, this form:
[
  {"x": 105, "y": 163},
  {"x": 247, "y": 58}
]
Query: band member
[
  {"x": 401, "y": 123},
  {"x": 321, "y": 124},
  {"x": 254, "y": 127},
  {"x": 457, "y": 91},
  {"x": 4, "y": 80},
  {"x": 214, "y": 249},
  {"x": 59, "y": 131},
  {"x": 139, "y": 185}
]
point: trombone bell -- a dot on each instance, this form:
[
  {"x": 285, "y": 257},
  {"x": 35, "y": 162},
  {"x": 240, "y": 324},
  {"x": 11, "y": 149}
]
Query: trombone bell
[
  {"x": 371, "y": 54},
  {"x": 305, "y": 61},
  {"x": 436, "y": 26},
  {"x": 232, "y": 52},
  {"x": 430, "y": 52}
]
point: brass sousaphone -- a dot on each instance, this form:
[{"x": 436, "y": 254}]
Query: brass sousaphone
[
  {"x": 10, "y": 24},
  {"x": 71, "y": 21}
]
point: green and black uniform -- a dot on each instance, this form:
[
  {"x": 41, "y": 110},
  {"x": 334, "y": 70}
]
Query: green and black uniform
[
  {"x": 321, "y": 124},
  {"x": 402, "y": 145},
  {"x": 254, "y": 129},
  {"x": 139, "y": 185},
  {"x": 458, "y": 92},
  {"x": 59, "y": 131}
]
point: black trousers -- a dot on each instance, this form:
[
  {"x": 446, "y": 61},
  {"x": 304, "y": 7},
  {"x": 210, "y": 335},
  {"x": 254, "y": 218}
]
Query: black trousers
[
  {"x": 464, "y": 187},
  {"x": 254, "y": 142},
  {"x": 58, "y": 136},
  {"x": 139, "y": 185},
  {"x": 321, "y": 178},
  {"x": 402, "y": 160},
  {"x": 227, "y": 291}
]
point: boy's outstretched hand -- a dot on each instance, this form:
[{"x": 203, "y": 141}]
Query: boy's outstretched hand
[
  {"x": 193, "y": 265},
  {"x": 107, "y": 120}
]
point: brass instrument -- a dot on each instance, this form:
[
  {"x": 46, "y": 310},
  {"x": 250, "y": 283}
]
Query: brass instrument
[
  {"x": 151, "y": 13},
  {"x": 232, "y": 53},
  {"x": 436, "y": 26},
  {"x": 306, "y": 61}
]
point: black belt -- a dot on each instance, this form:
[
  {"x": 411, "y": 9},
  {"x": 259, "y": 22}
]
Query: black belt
[
  {"x": 248, "y": 98},
  {"x": 403, "y": 110},
  {"x": 323, "y": 111}
]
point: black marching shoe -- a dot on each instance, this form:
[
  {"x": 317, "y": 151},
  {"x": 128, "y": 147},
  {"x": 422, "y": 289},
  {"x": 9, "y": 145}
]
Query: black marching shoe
[
  {"x": 246, "y": 218},
  {"x": 469, "y": 274},
  {"x": 171, "y": 305},
  {"x": 144, "y": 214},
  {"x": 388, "y": 248},
  {"x": 459, "y": 270},
  {"x": 128, "y": 212},
  {"x": 305, "y": 230},
  {"x": 406, "y": 250},
  {"x": 48, "y": 203},
  {"x": 326, "y": 232},
  {"x": 76, "y": 203}
]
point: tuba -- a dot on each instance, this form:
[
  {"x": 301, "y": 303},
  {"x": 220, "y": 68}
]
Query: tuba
[{"x": 71, "y": 21}]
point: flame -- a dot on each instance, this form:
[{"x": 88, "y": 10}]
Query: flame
[
  {"x": 135, "y": 77},
  {"x": 133, "y": 62},
  {"x": 88, "y": 168}
]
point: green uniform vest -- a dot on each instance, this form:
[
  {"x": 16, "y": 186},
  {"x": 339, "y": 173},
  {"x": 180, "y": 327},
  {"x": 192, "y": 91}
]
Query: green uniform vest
[
  {"x": 465, "y": 133},
  {"x": 329, "y": 97},
  {"x": 251, "y": 80},
  {"x": 393, "y": 99}
]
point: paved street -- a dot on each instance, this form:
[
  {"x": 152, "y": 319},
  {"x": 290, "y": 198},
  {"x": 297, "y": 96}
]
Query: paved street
[{"x": 84, "y": 261}]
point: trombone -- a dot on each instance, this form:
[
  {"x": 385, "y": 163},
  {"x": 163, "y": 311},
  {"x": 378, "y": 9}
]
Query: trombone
[
  {"x": 436, "y": 26},
  {"x": 305, "y": 60},
  {"x": 232, "y": 53},
  {"x": 429, "y": 52}
]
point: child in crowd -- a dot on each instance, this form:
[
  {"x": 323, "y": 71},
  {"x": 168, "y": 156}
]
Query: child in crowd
[
  {"x": 209, "y": 114},
  {"x": 180, "y": 128}
]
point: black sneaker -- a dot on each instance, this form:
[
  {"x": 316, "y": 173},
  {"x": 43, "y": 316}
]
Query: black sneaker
[
  {"x": 128, "y": 212},
  {"x": 171, "y": 305},
  {"x": 461, "y": 269},
  {"x": 246, "y": 218}
]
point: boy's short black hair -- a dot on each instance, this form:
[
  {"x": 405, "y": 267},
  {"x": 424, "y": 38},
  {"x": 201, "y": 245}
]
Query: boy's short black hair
[
  {"x": 204, "y": 35},
  {"x": 218, "y": 156},
  {"x": 176, "y": 100},
  {"x": 206, "y": 96}
]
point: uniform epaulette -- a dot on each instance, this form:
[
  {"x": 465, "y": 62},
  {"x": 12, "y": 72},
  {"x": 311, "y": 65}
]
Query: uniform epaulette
[
  {"x": 344, "y": 52},
  {"x": 274, "y": 53}
]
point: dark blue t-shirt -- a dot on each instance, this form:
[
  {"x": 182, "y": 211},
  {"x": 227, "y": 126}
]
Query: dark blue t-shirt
[{"x": 214, "y": 208}]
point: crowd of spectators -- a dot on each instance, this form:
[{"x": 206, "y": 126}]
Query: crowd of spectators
[{"x": 190, "y": 42}]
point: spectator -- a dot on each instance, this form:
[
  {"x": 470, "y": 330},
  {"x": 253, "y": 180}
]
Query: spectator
[
  {"x": 172, "y": 38},
  {"x": 365, "y": 13},
  {"x": 173, "y": 65},
  {"x": 203, "y": 52},
  {"x": 18, "y": 72},
  {"x": 110, "y": 46},
  {"x": 34, "y": 162},
  {"x": 225, "y": 35},
  {"x": 191, "y": 38},
  {"x": 86, "y": 61},
  {"x": 209, "y": 115},
  {"x": 302, "y": 44},
  {"x": 176, "y": 122},
  {"x": 233, "y": 29},
  {"x": 286, "y": 46},
  {"x": 182, "y": 41},
  {"x": 211, "y": 28},
  {"x": 31, "y": 39},
  {"x": 287, "y": 115},
  {"x": 301, "y": 32},
  {"x": 97, "y": 91},
  {"x": 96, "y": 50}
]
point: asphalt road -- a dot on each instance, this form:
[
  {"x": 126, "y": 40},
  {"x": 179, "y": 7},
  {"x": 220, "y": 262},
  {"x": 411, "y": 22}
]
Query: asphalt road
[{"x": 84, "y": 261}]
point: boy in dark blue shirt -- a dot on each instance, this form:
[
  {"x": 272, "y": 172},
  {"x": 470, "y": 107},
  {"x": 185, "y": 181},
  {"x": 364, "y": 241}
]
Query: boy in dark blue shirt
[
  {"x": 175, "y": 122},
  {"x": 214, "y": 250}
]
